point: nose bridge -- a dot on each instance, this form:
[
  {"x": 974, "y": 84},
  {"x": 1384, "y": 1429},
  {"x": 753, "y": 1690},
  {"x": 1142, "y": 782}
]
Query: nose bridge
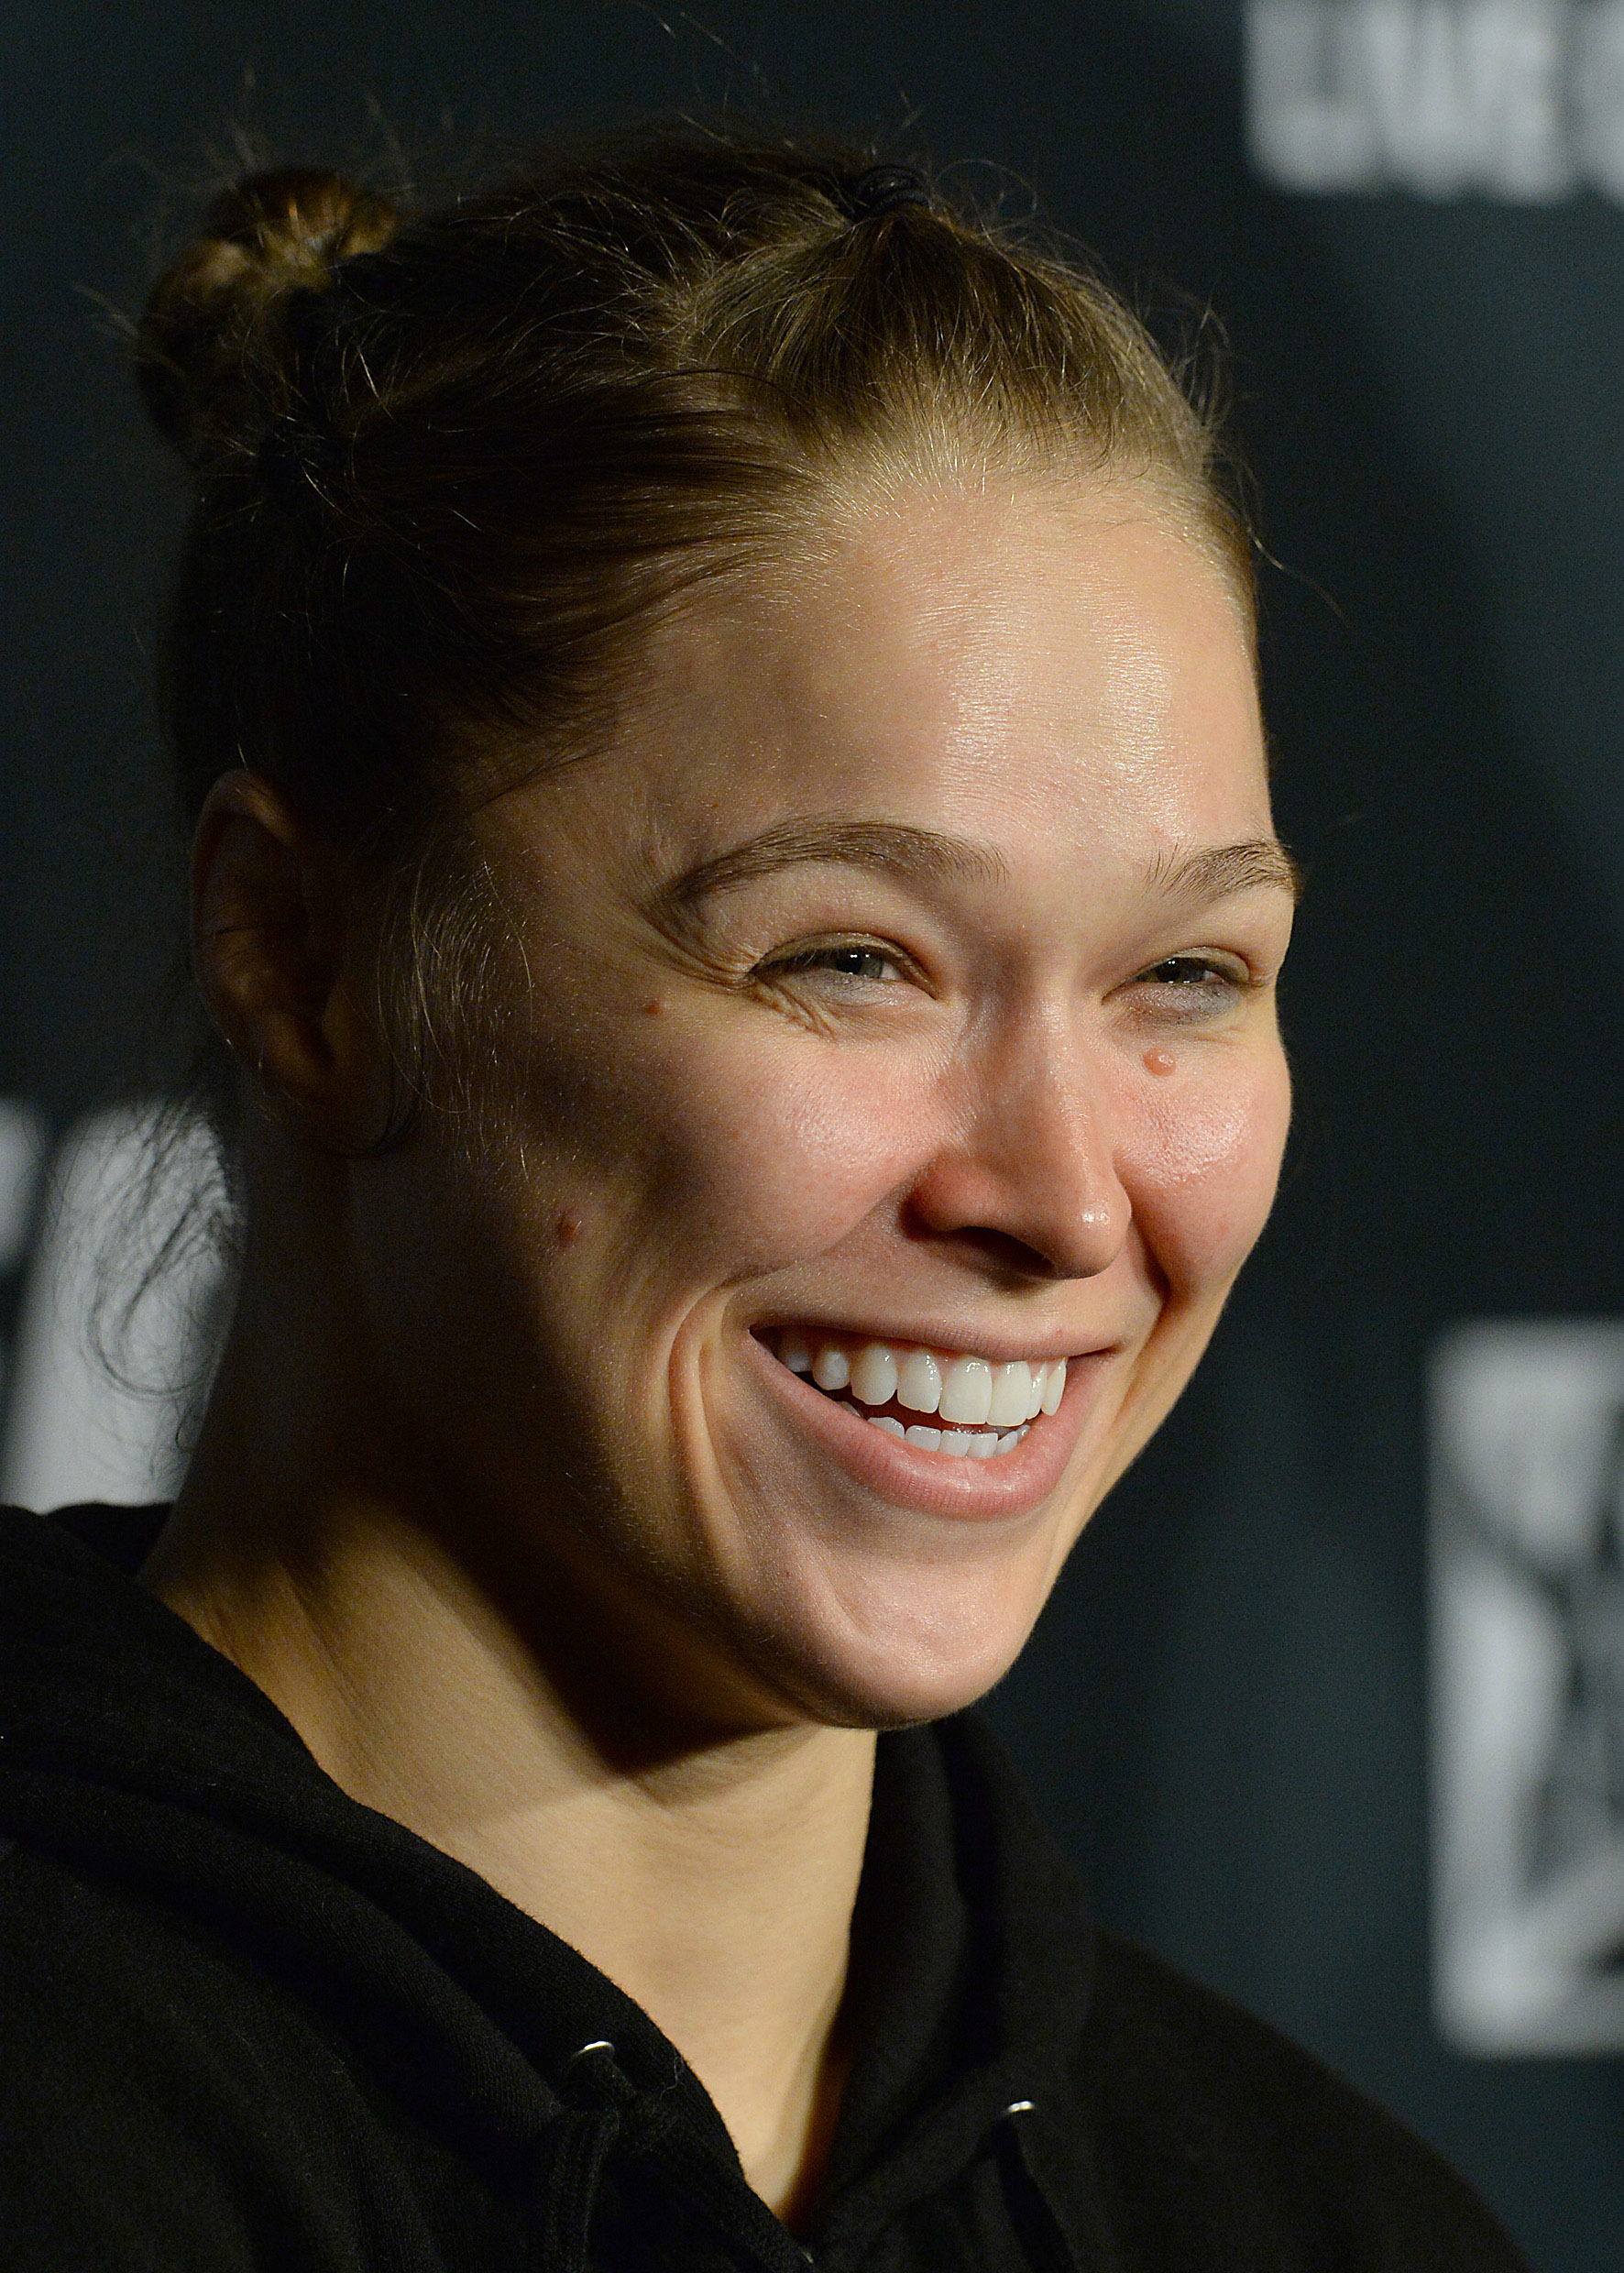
[
  {"x": 1051, "y": 1089},
  {"x": 1042, "y": 1136}
]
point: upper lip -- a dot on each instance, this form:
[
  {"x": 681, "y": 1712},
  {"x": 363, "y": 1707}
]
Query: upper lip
[{"x": 997, "y": 1349}]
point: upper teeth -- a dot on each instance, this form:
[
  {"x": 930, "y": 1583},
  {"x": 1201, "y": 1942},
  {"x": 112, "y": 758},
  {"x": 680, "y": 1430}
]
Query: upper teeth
[{"x": 969, "y": 1391}]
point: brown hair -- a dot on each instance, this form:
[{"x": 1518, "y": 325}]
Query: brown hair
[{"x": 451, "y": 466}]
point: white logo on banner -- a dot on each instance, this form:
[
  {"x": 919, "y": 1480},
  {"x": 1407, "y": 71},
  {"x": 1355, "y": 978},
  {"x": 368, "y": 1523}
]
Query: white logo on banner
[
  {"x": 1528, "y": 1686},
  {"x": 1514, "y": 99}
]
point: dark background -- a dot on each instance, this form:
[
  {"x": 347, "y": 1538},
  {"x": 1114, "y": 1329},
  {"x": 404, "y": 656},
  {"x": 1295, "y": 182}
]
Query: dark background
[{"x": 1224, "y": 1708}]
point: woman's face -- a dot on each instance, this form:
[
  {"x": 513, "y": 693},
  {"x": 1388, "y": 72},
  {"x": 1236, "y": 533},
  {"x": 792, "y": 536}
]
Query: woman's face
[{"x": 894, "y": 997}]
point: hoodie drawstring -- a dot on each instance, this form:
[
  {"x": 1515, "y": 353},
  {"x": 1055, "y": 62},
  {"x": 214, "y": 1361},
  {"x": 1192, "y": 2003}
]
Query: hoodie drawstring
[
  {"x": 573, "y": 2150},
  {"x": 602, "y": 2110},
  {"x": 1050, "y": 2247}
]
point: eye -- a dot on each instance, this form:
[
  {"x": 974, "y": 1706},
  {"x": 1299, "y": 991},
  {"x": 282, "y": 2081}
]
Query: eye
[
  {"x": 855, "y": 960},
  {"x": 1186, "y": 971},
  {"x": 1196, "y": 985}
]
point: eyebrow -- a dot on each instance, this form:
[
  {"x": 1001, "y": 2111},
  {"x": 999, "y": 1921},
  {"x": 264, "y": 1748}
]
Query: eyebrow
[
  {"x": 1214, "y": 873},
  {"x": 1219, "y": 872},
  {"x": 918, "y": 854}
]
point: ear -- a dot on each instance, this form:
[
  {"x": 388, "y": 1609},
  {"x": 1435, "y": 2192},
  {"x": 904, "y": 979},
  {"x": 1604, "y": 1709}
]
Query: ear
[{"x": 272, "y": 940}]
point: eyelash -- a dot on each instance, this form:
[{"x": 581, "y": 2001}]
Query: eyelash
[
  {"x": 1212, "y": 985},
  {"x": 1206, "y": 966},
  {"x": 1189, "y": 987},
  {"x": 824, "y": 957}
]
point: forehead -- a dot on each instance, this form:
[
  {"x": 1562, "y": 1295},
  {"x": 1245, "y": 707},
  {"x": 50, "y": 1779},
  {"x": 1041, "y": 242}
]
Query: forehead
[{"x": 1034, "y": 661}]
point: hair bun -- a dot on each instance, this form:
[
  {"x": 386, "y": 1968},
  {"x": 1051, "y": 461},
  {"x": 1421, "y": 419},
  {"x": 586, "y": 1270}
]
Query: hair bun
[{"x": 214, "y": 356}]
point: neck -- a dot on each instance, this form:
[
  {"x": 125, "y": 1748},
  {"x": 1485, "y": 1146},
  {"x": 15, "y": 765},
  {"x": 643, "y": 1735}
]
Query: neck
[{"x": 713, "y": 1879}]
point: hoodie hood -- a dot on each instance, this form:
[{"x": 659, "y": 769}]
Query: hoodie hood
[{"x": 136, "y": 1755}]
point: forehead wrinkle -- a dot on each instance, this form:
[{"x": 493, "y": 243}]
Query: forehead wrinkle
[{"x": 892, "y": 847}]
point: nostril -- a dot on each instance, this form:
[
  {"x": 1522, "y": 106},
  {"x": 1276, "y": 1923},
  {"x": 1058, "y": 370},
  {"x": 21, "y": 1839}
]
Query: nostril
[{"x": 1000, "y": 1252}]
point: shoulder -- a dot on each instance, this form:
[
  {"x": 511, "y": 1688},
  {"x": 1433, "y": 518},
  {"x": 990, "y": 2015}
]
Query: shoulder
[
  {"x": 152, "y": 2085},
  {"x": 1191, "y": 2135},
  {"x": 1220, "y": 2141}
]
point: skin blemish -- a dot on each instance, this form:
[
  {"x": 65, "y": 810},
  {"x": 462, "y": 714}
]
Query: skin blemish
[
  {"x": 568, "y": 1227},
  {"x": 1160, "y": 1061}
]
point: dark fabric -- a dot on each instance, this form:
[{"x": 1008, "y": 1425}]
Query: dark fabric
[{"x": 247, "y": 2024}]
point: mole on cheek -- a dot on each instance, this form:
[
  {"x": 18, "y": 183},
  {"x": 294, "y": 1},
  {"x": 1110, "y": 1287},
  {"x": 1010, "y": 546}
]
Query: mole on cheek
[
  {"x": 568, "y": 1227},
  {"x": 1159, "y": 1061}
]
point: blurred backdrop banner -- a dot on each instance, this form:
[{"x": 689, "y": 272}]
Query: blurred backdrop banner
[
  {"x": 1516, "y": 99},
  {"x": 1330, "y": 1705},
  {"x": 1527, "y": 1680}
]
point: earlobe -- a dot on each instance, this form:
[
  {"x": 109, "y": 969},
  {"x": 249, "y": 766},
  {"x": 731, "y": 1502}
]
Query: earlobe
[{"x": 268, "y": 936}]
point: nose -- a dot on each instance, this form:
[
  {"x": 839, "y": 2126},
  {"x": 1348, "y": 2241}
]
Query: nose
[{"x": 1031, "y": 1177}]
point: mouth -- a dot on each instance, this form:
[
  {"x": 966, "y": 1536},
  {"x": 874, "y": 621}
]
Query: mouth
[
  {"x": 970, "y": 1435},
  {"x": 953, "y": 1403}
]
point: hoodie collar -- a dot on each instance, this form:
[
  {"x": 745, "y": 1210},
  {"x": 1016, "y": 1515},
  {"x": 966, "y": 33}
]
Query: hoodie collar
[{"x": 972, "y": 1969}]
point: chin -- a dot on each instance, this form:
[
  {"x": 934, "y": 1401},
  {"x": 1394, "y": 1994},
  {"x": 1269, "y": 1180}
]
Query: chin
[{"x": 880, "y": 1656}]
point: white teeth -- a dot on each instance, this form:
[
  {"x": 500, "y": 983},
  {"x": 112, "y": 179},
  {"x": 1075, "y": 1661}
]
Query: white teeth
[
  {"x": 967, "y": 1391},
  {"x": 1012, "y": 1392},
  {"x": 873, "y": 1375},
  {"x": 833, "y": 1370},
  {"x": 959, "y": 1443},
  {"x": 919, "y": 1382}
]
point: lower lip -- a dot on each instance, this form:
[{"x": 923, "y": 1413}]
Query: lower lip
[{"x": 1009, "y": 1485}]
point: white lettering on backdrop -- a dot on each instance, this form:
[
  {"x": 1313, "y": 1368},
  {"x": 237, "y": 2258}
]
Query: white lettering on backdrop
[{"x": 1519, "y": 100}]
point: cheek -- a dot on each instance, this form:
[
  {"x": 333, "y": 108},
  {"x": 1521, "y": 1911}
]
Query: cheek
[
  {"x": 1204, "y": 1162},
  {"x": 755, "y": 1154}
]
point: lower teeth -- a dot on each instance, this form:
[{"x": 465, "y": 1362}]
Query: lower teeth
[{"x": 959, "y": 1443}]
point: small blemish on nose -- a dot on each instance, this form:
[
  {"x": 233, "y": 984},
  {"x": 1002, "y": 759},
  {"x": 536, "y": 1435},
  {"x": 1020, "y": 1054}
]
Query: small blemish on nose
[
  {"x": 568, "y": 1227},
  {"x": 1160, "y": 1061}
]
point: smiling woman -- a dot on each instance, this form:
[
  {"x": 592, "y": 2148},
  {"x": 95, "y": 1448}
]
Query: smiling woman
[{"x": 734, "y": 883}]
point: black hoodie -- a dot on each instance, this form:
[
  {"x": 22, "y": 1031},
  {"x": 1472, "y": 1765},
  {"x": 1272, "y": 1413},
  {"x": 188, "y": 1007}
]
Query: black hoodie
[{"x": 248, "y": 2023}]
